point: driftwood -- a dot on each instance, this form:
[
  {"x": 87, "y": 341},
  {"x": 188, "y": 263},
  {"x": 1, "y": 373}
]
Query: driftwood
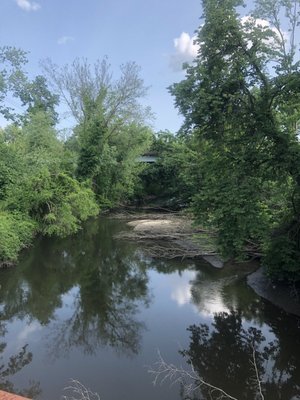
[
  {"x": 172, "y": 252},
  {"x": 166, "y": 245},
  {"x": 177, "y": 240},
  {"x": 142, "y": 236}
]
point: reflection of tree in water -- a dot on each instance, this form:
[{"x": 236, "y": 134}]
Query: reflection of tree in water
[
  {"x": 14, "y": 365},
  {"x": 105, "y": 309},
  {"x": 109, "y": 279},
  {"x": 222, "y": 354},
  {"x": 215, "y": 290}
]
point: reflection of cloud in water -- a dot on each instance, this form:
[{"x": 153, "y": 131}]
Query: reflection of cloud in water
[
  {"x": 181, "y": 287},
  {"x": 207, "y": 296},
  {"x": 212, "y": 305},
  {"x": 182, "y": 295},
  {"x": 28, "y": 331}
]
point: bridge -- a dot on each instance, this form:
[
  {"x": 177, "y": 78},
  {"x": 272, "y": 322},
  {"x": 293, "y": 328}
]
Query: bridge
[{"x": 148, "y": 158}]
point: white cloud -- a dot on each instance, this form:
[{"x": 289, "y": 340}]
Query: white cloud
[
  {"x": 181, "y": 288},
  {"x": 28, "y": 5},
  {"x": 185, "y": 51},
  {"x": 28, "y": 330},
  {"x": 64, "y": 40},
  {"x": 248, "y": 22}
]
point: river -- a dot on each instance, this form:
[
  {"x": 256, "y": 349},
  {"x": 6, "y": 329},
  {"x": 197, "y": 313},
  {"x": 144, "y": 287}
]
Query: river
[{"x": 96, "y": 309}]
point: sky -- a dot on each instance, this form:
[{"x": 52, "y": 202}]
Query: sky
[{"x": 156, "y": 34}]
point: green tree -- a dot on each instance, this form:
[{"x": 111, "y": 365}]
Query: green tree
[
  {"x": 37, "y": 97},
  {"x": 111, "y": 123},
  {"x": 37, "y": 194},
  {"x": 44, "y": 190},
  {"x": 172, "y": 178},
  {"x": 244, "y": 115},
  {"x": 12, "y": 77},
  {"x": 16, "y": 87}
]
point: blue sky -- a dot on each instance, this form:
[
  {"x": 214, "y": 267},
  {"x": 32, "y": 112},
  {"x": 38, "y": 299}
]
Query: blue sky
[{"x": 156, "y": 34}]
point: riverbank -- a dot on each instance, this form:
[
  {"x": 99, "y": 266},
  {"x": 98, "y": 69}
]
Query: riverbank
[{"x": 173, "y": 235}]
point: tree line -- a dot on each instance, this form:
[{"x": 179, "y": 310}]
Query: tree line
[{"x": 48, "y": 186}]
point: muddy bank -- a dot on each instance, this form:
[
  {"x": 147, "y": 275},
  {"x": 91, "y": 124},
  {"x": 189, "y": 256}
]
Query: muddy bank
[{"x": 281, "y": 296}]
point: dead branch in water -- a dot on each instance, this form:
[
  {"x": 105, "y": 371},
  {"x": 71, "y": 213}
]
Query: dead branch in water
[
  {"x": 171, "y": 252},
  {"x": 166, "y": 245},
  {"x": 189, "y": 379},
  {"x": 79, "y": 392},
  {"x": 144, "y": 235}
]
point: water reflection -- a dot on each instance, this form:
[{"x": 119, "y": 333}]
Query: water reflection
[
  {"x": 15, "y": 364},
  {"x": 104, "y": 309},
  {"x": 223, "y": 355},
  {"x": 87, "y": 294},
  {"x": 207, "y": 289}
]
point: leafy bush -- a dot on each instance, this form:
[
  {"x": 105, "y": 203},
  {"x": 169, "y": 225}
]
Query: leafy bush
[
  {"x": 283, "y": 254},
  {"x": 16, "y": 231}
]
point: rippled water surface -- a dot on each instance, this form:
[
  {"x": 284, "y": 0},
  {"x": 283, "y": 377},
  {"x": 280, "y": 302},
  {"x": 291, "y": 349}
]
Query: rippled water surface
[{"x": 96, "y": 309}]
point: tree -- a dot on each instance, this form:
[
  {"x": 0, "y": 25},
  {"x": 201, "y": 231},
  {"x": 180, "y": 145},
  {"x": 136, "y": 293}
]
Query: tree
[
  {"x": 37, "y": 194},
  {"x": 111, "y": 130},
  {"x": 12, "y": 76},
  {"x": 14, "y": 83},
  {"x": 244, "y": 115},
  {"x": 43, "y": 189},
  {"x": 37, "y": 97},
  {"x": 172, "y": 177}
]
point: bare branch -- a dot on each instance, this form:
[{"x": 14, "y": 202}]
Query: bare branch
[
  {"x": 257, "y": 377},
  {"x": 190, "y": 380},
  {"x": 79, "y": 392}
]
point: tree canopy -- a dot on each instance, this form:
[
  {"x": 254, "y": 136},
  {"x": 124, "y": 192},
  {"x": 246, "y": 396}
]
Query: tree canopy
[
  {"x": 240, "y": 99},
  {"x": 49, "y": 186}
]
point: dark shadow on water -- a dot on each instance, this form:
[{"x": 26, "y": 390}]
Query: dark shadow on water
[{"x": 15, "y": 364}]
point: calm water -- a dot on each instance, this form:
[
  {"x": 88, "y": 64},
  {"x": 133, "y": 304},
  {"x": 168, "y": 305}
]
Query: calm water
[{"x": 96, "y": 309}]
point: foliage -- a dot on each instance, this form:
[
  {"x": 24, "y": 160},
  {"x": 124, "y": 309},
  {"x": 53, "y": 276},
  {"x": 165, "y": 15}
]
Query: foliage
[
  {"x": 12, "y": 61},
  {"x": 37, "y": 172},
  {"x": 173, "y": 176},
  {"x": 36, "y": 193},
  {"x": 111, "y": 130},
  {"x": 16, "y": 231},
  {"x": 54, "y": 185},
  {"x": 32, "y": 96},
  {"x": 55, "y": 200},
  {"x": 240, "y": 100},
  {"x": 37, "y": 97}
]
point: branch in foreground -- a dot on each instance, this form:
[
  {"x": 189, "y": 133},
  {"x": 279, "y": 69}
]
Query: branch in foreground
[
  {"x": 77, "y": 391},
  {"x": 190, "y": 380}
]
